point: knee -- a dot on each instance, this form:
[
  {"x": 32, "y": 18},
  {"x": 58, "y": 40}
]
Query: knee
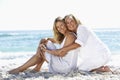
[
  {"x": 37, "y": 55},
  {"x": 43, "y": 41}
]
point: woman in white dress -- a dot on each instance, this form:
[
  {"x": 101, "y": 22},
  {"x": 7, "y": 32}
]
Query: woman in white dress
[
  {"x": 94, "y": 54},
  {"x": 57, "y": 62}
]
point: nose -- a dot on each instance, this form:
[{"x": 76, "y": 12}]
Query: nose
[{"x": 69, "y": 25}]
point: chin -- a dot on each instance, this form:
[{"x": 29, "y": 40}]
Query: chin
[{"x": 71, "y": 29}]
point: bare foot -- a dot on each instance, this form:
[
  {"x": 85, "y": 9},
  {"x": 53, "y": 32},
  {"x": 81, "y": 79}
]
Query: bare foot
[
  {"x": 36, "y": 69},
  {"x": 107, "y": 69},
  {"x": 14, "y": 71},
  {"x": 38, "y": 66},
  {"x": 102, "y": 69}
]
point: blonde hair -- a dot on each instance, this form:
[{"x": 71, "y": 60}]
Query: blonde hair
[
  {"x": 57, "y": 35},
  {"x": 74, "y": 18}
]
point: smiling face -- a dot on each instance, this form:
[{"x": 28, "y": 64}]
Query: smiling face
[
  {"x": 71, "y": 23},
  {"x": 61, "y": 27}
]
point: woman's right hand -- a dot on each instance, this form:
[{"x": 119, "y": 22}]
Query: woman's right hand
[{"x": 42, "y": 46}]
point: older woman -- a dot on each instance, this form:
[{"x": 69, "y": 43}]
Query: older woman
[{"x": 94, "y": 54}]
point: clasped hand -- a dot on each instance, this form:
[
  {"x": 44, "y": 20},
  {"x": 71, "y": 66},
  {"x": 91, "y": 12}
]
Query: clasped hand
[{"x": 43, "y": 47}]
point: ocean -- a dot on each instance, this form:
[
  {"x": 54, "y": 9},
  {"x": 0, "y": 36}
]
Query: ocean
[
  {"x": 27, "y": 41},
  {"x": 16, "y": 47},
  {"x": 22, "y": 41}
]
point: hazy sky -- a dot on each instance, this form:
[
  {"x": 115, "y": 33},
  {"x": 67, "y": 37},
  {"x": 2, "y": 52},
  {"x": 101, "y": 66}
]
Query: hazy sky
[{"x": 40, "y": 14}]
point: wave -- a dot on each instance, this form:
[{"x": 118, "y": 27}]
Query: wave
[
  {"x": 15, "y": 55},
  {"x": 5, "y": 35},
  {"x": 10, "y": 34},
  {"x": 25, "y": 34}
]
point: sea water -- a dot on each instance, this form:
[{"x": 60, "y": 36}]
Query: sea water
[
  {"x": 16, "y": 47},
  {"x": 23, "y": 44},
  {"x": 22, "y": 41},
  {"x": 27, "y": 41}
]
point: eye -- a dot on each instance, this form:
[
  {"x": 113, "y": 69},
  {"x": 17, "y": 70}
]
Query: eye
[{"x": 67, "y": 23}]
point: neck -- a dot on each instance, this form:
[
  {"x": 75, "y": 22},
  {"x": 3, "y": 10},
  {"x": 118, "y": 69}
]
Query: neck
[
  {"x": 66, "y": 33},
  {"x": 75, "y": 29}
]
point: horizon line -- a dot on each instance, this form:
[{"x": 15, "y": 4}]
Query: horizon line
[{"x": 51, "y": 29}]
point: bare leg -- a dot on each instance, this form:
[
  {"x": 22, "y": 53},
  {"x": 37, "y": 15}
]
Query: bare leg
[
  {"x": 31, "y": 62},
  {"x": 38, "y": 66},
  {"x": 38, "y": 58}
]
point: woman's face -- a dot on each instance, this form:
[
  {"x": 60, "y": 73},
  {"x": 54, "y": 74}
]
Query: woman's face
[
  {"x": 71, "y": 24},
  {"x": 61, "y": 27}
]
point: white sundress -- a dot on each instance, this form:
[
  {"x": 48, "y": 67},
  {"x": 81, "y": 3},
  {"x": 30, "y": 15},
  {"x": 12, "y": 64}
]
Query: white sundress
[
  {"x": 62, "y": 64},
  {"x": 93, "y": 52}
]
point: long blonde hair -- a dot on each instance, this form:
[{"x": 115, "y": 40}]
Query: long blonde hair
[{"x": 57, "y": 35}]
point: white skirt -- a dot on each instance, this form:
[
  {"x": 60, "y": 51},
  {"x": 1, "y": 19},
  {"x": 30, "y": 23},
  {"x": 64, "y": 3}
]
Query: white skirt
[
  {"x": 93, "y": 61},
  {"x": 61, "y": 64}
]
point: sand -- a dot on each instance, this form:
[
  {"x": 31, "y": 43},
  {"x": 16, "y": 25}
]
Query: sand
[{"x": 11, "y": 63}]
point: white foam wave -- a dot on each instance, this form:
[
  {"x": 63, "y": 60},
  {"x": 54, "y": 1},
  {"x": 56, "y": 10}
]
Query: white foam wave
[
  {"x": 19, "y": 58},
  {"x": 105, "y": 30},
  {"x": 15, "y": 55}
]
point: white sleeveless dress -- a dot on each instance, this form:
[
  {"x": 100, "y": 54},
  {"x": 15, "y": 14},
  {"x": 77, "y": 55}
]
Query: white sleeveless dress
[{"x": 62, "y": 64}]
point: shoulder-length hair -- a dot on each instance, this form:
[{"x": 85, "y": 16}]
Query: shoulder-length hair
[{"x": 57, "y": 35}]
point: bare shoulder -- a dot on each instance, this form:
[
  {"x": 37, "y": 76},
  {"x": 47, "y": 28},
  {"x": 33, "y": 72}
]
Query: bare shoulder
[
  {"x": 70, "y": 39},
  {"x": 71, "y": 34}
]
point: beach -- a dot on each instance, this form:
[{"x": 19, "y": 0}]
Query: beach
[
  {"x": 24, "y": 23},
  {"x": 16, "y": 47},
  {"x": 9, "y": 61}
]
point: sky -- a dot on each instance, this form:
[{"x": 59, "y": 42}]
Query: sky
[{"x": 40, "y": 14}]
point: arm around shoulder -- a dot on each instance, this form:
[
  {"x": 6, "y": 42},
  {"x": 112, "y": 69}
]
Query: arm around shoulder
[{"x": 69, "y": 44}]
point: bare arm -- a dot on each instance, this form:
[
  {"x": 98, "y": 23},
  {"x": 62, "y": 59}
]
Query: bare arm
[
  {"x": 70, "y": 47},
  {"x": 70, "y": 39}
]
